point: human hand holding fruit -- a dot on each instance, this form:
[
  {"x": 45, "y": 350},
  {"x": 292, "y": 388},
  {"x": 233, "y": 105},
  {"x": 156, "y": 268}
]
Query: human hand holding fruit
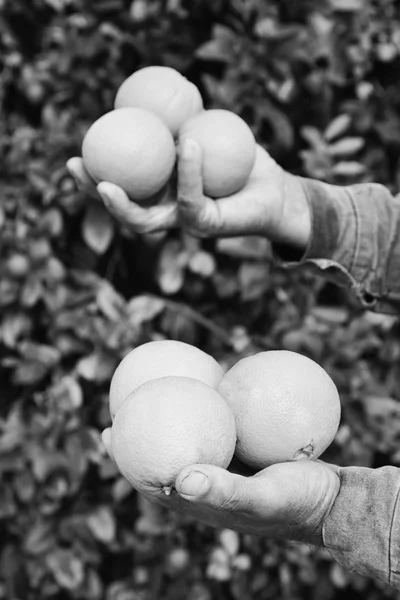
[
  {"x": 213, "y": 149},
  {"x": 274, "y": 408}
]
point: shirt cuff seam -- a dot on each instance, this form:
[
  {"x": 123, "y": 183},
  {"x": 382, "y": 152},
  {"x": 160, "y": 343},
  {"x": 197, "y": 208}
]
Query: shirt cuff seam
[
  {"x": 357, "y": 236},
  {"x": 391, "y": 571},
  {"x": 325, "y": 545}
]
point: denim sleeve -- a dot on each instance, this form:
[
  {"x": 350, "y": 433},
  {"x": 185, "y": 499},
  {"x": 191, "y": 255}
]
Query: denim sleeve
[
  {"x": 355, "y": 241},
  {"x": 362, "y": 531}
]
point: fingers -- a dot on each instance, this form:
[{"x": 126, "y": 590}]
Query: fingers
[
  {"x": 196, "y": 212},
  {"x": 142, "y": 220},
  {"x": 106, "y": 439},
  {"x": 77, "y": 170},
  {"x": 221, "y": 490}
]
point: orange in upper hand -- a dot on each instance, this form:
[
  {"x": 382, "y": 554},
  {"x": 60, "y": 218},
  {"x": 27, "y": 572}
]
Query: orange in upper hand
[
  {"x": 229, "y": 150},
  {"x": 163, "y": 91},
  {"x": 132, "y": 148}
]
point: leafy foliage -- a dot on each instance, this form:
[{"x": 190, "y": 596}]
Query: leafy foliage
[{"x": 317, "y": 82}]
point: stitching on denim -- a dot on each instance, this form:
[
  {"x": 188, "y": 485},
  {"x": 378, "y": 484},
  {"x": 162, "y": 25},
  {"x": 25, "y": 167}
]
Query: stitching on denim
[
  {"x": 357, "y": 236},
  {"x": 340, "y": 477},
  {"x": 391, "y": 534},
  {"x": 312, "y": 217},
  {"x": 390, "y": 257}
]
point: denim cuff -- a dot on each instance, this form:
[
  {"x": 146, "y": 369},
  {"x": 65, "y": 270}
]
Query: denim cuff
[
  {"x": 355, "y": 241},
  {"x": 362, "y": 531}
]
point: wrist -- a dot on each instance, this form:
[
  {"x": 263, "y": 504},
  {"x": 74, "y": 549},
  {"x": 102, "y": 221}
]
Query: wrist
[
  {"x": 293, "y": 232},
  {"x": 318, "y": 512}
]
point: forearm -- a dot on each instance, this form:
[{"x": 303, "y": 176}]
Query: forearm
[
  {"x": 355, "y": 240},
  {"x": 362, "y": 531}
]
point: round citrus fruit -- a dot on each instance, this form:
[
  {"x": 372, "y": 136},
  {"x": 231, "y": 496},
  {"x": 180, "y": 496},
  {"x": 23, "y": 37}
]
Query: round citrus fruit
[
  {"x": 285, "y": 405},
  {"x": 229, "y": 150},
  {"x": 132, "y": 148},
  {"x": 165, "y": 92},
  {"x": 160, "y": 359},
  {"x": 167, "y": 424}
]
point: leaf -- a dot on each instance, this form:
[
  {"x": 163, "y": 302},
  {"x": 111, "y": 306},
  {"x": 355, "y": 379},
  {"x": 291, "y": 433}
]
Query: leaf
[
  {"x": 40, "y": 538},
  {"x": 151, "y": 521},
  {"x": 253, "y": 280},
  {"x": 348, "y": 169},
  {"x": 282, "y": 127},
  {"x": 171, "y": 267},
  {"x": 249, "y": 247},
  {"x": 102, "y": 524},
  {"x": 224, "y": 92},
  {"x": 337, "y": 127},
  {"x": 220, "y": 48},
  {"x": 67, "y": 569},
  {"x": 67, "y": 394},
  {"x": 98, "y": 367},
  {"x": 14, "y": 326},
  {"x": 347, "y": 5},
  {"x": 97, "y": 228},
  {"x": 139, "y": 11},
  {"x": 2, "y": 217},
  {"x": 29, "y": 372},
  {"x": 109, "y": 301},
  {"x": 230, "y": 541},
  {"x": 214, "y": 50},
  {"x": 9, "y": 290},
  {"x": 350, "y": 145},
  {"x": 7, "y": 504},
  {"x": 313, "y": 136},
  {"x": 143, "y": 309},
  {"x": 13, "y": 431},
  {"x": 24, "y": 486},
  {"x": 202, "y": 263},
  {"x": 331, "y": 315},
  {"x": 31, "y": 293},
  {"x": 47, "y": 355},
  {"x": 121, "y": 489},
  {"x": 91, "y": 444}
]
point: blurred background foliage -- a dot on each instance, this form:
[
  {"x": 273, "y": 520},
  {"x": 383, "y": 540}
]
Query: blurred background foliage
[{"x": 318, "y": 82}]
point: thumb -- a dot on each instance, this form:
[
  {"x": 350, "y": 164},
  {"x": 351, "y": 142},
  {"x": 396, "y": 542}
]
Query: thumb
[
  {"x": 219, "y": 489},
  {"x": 195, "y": 209}
]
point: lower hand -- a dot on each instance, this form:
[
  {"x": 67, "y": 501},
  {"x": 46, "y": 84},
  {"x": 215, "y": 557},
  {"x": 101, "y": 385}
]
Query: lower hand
[{"x": 287, "y": 500}]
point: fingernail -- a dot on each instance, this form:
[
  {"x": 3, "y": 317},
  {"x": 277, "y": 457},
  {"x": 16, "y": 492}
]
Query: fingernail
[
  {"x": 188, "y": 149},
  {"x": 194, "y": 484}
]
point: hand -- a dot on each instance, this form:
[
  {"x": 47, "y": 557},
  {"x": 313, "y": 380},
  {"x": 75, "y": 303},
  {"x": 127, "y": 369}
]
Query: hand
[
  {"x": 287, "y": 501},
  {"x": 272, "y": 204}
]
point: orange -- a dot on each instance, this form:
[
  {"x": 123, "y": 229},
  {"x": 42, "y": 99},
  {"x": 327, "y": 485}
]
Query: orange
[
  {"x": 285, "y": 405},
  {"x": 160, "y": 359},
  {"x": 132, "y": 148},
  {"x": 165, "y": 92},
  {"x": 229, "y": 150},
  {"x": 167, "y": 424}
]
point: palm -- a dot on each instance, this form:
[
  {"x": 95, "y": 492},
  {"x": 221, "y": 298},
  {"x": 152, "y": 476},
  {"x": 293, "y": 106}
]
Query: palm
[
  {"x": 288, "y": 500},
  {"x": 255, "y": 209},
  {"x": 219, "y": 216}
]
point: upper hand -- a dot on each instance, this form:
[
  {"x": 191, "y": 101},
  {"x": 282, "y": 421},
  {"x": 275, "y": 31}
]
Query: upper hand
[{"x": 272, "y": 203}]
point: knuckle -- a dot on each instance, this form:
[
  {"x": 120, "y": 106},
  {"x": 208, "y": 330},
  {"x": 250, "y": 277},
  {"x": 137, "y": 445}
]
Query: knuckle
[
  {"x": 185, "y": 198},
  {"x": 232, "y": 502}
]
